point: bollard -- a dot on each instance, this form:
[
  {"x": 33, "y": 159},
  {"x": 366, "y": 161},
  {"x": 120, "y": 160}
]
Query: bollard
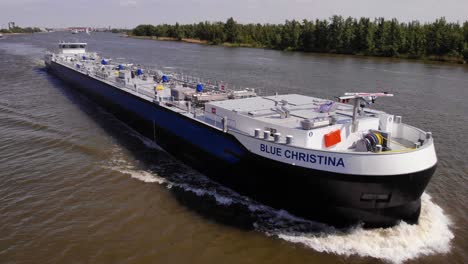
[
  {"x": 398, "y": 119},
  {"x": 257, "y": 132},
  {"x": 225, "y": 124},
  {"x": 277, "y": 136},
  {"x": 428, "y": 135}
]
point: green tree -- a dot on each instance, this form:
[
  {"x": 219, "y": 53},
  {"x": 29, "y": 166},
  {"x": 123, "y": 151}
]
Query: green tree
[
  {"x": 347, "y": 36},
  {"x": 379, "y": 36},
  {"x": 416, "y": 42},
  {"x": 290, "y": 35},
  {"x": 307, "y": 37},
  {"x": 321, "y": 35},
  {"x": 465, "y": 32},
  {"x": 231, "y": 30},
  {"x": 363, "y": 40},
  {"x": 434, "y": 37},
  {"x": 392, "y": 38},
  {"x": 335, "y": 34}
]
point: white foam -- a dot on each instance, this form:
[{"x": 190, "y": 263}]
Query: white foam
[
  {"x": 143, "y": 176},
  {"x": 397, "y": 244},
  {"x": 150, "y": 177},
  {"x": 39, "y": 62},
  {"x": 220, "y": 199},
  {"x": 223, "y": 200}
]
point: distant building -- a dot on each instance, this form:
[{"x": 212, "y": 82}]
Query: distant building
[
  {"x": 80, "y": 29},
  {"x": 11, "y": 25}
]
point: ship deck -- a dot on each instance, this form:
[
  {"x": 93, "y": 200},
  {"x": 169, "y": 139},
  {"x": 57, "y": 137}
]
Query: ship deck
[
  {"x": 280, "y": 114},
  {"x": 301, "y": 107}
]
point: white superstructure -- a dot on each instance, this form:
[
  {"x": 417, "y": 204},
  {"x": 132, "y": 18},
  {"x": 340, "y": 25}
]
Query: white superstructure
[{"x": 72, "y": 48}]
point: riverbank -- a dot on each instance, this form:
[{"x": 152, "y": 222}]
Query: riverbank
[
  {"x": 19, "y": 34},
  {"x": 198, "y": 41},
  {"x": 13, "y": 34},
  {"x": 186, "y": 40},
  {"x": 431, "y": 58}
]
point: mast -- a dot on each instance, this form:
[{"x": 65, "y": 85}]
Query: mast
[{"x": 359, "y": 98}]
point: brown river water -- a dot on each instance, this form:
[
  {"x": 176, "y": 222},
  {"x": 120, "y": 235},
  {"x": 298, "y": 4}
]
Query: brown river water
[{"x": 78, "y": 186}]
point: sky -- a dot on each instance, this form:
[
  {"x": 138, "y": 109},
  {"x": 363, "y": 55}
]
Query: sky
[{"x": 130, "y": 13}]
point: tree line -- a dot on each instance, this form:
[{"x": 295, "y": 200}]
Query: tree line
[
  {"x": 379, "y": 37},
  {"x": 21, "y": 30}
]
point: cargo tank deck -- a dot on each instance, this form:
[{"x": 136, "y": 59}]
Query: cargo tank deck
[
  {"x": 300, "y": 107},
  {"x": 284, "y": 117}
]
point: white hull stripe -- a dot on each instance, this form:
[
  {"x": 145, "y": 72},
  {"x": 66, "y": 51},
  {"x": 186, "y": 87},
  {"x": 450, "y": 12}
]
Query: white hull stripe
[{"x": 347, "y": 163}]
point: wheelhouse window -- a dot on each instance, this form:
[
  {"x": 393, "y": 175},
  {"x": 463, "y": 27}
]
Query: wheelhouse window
[{"x": 72, "y": 46}]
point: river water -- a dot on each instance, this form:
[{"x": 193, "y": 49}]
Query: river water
[{"x": 78, "y": 186}]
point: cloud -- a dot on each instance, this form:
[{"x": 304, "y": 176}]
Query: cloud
[{"x": 128, "y": 3}]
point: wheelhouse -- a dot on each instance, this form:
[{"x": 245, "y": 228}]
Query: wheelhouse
[{"x": 72, "y": 48}]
